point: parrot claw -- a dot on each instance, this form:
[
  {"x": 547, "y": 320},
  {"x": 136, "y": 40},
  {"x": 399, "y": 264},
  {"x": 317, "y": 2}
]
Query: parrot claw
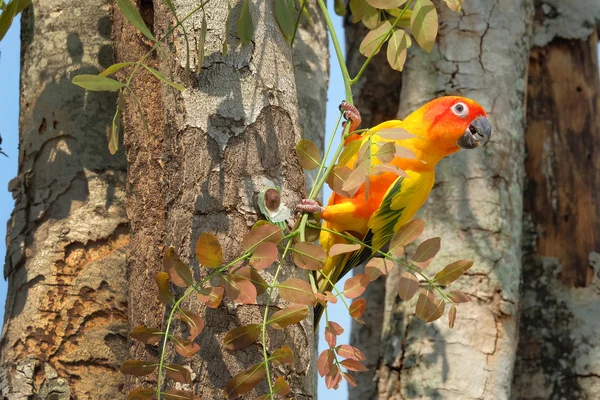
[
  {"x": 351, "y": 114},
  {"x": 310, "y": 206}
]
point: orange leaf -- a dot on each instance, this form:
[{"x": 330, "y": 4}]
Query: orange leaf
[
  {"x": 194, "y": 322},
  {"x": 336, "y": 328},
  {"x": 309, "y": 256},
  {"x": 452, "y": 272},
  {"x": 325, "y": 362},
  {"x": 138, "y": 367},
  {"x": 458, "y": 297},
  {"x": 245, "y": 381},
  {"x": 164, "y": 294},
  {"x": 356, "y": 286},
  {"x": 208, "y": 250},
  {"x": 357, "y": 308},
  {"x": 241, "y": 337},
  {"x": 264, "y": 255},
  {"x": 341, "y": 248},
  {"x": 428, "y": 309},
  {"x": 408, "y": 233},
  {"x": 145, "y": 335},
  {"x": 211, "y": 296},
  {"x": 297, "y": 291},
  {"x": 349, "y": 379},
  {"x": 378, "y": 266},
  {"x": 451, "y": 316},
  {"x": 141, "y": 394},
  {"x": 386, "y": 152},
  {"x": 347, "y": 351},
  {"x": 288, "y": 316},
  {"x": 357, "y": 177},
  {"x": 183, "y": 347},
  {"x": 261, "y": 233},
  {"x": 281, "y": 387},
  {"x": 239, "y": 289},
  {"x": 178, "y": 395},
  {"x": 178, "y": 373},
  {"x": 426, "y": 251},
  {"x": 407, "y": 286},
  {"x": 282, "y": 356},
  {"x": 180, "y": 274},
  {"x": 333, "y": 378},
  {"x": 253, "y": 276},
  {"x": 353, "y": 365}
]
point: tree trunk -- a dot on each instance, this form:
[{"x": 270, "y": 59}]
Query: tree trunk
[
  {"x": 212, "y": 148},
  {"x": 65, "y": 324},
  {"x": 558, "y": 353},
  {"x": 475, "y": 207}
]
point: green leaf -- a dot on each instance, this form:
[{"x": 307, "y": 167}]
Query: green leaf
[
  {"x": 339, "y": 6},
  {"x": 97, "y": 83},
  {"x": 374, "y": 39},
  {"x": 200, "y": 45},
  {"x": 227, "y": 20},
  {"x": 132, "y": 14},
  {"x": 7, "y": 16},
  {"x": 452, "y": 272},
  {"x": 397, "y": 49},
  {"x": 308, "y": 154},
  {"x": 358, "y": 8},
  {"x": 163, "y": 78},
  {"x": 284, "y": 13},
  {"x": 245, "y": 26},
  {"x": 22, "y": 4},
  {"x": 386, "y": 4},
  {"x": 454, "y": 5},
  {"x": 115, "y": 67},
  {"x": 372, "y": 17},
  {"x": 424, "y": 24}
]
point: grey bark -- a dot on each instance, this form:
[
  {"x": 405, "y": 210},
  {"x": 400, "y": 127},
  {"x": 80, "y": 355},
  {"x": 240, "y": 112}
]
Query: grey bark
[
  {"x": 558, "y": 353},
  {"x": 64, "y": 332},
  {"x": 475, "y": 207},
  {"x": 212, "y": 149}
]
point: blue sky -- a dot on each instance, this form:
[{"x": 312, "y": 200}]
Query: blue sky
[{"x": 9, "y": 114}]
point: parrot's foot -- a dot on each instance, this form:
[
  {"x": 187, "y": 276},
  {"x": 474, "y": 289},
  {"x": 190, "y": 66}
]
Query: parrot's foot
[
  {"x": 351, "y": 114},
  {"x": 310, "y": 206}
]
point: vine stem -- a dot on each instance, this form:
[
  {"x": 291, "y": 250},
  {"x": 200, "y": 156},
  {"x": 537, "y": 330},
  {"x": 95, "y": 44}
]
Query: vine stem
[
  {"x": 176, "y": 307},
  {"x": 266, "y": 317},
  {"x": 389, "y": 257}
]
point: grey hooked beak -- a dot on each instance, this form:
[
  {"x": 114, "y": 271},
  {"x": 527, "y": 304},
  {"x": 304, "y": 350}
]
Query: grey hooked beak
[{"x": 477, "y": 134}]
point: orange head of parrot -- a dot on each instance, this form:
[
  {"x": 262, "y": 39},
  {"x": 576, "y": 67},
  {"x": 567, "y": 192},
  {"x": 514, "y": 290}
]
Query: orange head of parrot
[{"x": 451, "y": 123}]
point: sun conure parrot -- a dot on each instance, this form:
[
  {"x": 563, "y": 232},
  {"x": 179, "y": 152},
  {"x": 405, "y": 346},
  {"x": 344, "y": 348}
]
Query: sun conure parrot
[{"x": 441, "y": 127}]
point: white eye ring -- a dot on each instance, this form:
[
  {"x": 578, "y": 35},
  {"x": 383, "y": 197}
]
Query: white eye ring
[{"x": 460, "y": 109}]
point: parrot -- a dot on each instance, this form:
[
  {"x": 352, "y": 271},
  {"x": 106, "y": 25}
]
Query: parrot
[{"x": 438, "y": 129}]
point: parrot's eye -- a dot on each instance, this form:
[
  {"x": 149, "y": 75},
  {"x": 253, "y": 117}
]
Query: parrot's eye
[{"x": 460, "y": 109}]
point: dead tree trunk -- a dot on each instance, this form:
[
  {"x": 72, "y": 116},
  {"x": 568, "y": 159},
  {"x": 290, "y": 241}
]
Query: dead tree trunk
[
  {"x": 212, "y": 148},
  {"x": 475, "y": 207},
  {"x": 558, "y": 353},
  {"x": 65, "y": 324}
]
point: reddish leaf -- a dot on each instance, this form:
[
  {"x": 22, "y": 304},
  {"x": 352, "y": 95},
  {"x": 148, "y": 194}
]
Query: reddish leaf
[
  {"x": 408, "y": 233},
  {"x": 325, "y": 362},
  {"x": 264, "y": 255},
  {"x": 309, "y": 256},
  {"x": 347, "y": 351},
  {"x": 241, "y": 337},
  {"x": 452, "y": 272},
  {"x": 178, "y": 373},
  {"x": 426, "y": 251},
  {"x": 357, "y": 308},
  {"x": 183, "y": 347},
  {"x": 330, "y": 338},
  {"x": 261, "y": 233},
  {"x": 211, "y": 296},
  {"x": 194, "y": 322},
  {"x": 458, "y": 297},
  {"x": 341, "y": 248},
  {"x": 164, "y": 294},
  {"x": 428, "y": 309},
  {"x": 245, "y": 381},
  {"x": 138, "y": 367},
  {"x": 356, "y": 286},
  {"x": 451, "y": 316},
  {"x": 349, "y": 379},
  {"x": 208, "y": 250},
  {"x": 378, "y": 266},
  {"x": 141, "y": 394},
  {"x": 145, "y": 335},
  {"x": 337, "y": 178},
  {"x": 180, "y": 274},
  {"x": 178, "y": 395},
  {"x": 407, "y": 286},
  {"x": 282, "y": 356},
  {"x": 353, "y": 365},
  {"x": 297, "y": 291},
  {"x": 239, "y": 289},
  {"x": 281, "y": 387},
  {"x": 308, "y": 154},
  {"x": 288, "y": 316},
  {"x": 253, "y": 276},
  {"x": 336, "y": 328},
  {"x": 333, "y": 378}
]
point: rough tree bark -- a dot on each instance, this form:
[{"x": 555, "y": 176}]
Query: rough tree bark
[
  {"x": 559, "y": 354},
  {"x": 212, "y": 148},
  {"x": 475, "y": 207},
  {"x": 64, "y": 332}
]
